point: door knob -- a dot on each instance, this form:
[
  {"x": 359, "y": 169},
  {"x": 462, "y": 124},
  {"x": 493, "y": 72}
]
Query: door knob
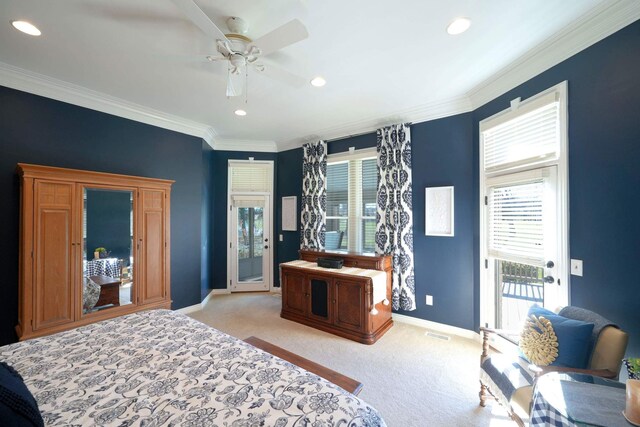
[
  {"x": 550, "y": 264},
  {"x": 549, "y": 279},
  {"x": 266, "y": 246}
]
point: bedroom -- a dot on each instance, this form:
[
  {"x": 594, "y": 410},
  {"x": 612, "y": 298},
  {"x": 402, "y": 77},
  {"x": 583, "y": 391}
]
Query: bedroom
[{"x": 68, "y": 100}]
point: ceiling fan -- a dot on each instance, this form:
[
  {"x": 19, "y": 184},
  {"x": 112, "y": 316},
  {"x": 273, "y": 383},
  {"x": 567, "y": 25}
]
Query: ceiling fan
[{"x": 241, "y": 52}]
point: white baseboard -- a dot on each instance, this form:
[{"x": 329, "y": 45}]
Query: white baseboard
[
  {"x": 435, "y": 326},
  {"x": 198, "y": 307},
  {"x": 190, "y": 309},
  {"x": 276, "y": 290}
]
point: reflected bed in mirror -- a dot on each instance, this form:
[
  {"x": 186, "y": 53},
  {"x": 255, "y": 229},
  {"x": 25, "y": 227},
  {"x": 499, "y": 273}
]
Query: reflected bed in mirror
[{"x": 107, "y": 248}]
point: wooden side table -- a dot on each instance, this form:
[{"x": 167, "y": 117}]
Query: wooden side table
[{"x": 109, "y": 290}]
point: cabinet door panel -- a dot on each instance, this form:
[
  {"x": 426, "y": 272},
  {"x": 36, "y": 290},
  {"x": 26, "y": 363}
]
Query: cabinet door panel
[
  {"x": 53, "y": 291},
  {"x": 152, "y": 246},
  {"x": 349, "y": 305},
  {"x": 294, "y": 296}
]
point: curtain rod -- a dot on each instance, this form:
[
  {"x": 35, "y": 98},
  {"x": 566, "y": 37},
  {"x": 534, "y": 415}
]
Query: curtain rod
[{"x": 353, "y": 135}]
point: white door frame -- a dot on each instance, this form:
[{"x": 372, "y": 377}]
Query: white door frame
[
  {"x": 230, "y": 231},
  {"x": 487, "y": 288}
]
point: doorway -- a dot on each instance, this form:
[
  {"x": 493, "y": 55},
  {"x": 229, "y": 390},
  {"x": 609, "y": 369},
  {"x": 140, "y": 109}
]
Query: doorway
[
  {"x": 251, "y": 243},
  {"x": 524, "y": 209},
  {"x": 250, "y": 225}
]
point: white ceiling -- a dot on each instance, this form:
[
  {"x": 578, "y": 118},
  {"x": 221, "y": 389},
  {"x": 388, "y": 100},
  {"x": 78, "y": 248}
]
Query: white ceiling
[{"x": 383, "y": 60}]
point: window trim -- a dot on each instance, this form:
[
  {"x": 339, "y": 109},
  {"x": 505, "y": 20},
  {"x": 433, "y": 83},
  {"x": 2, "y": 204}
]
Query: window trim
[{"x": 356, "y": 217}]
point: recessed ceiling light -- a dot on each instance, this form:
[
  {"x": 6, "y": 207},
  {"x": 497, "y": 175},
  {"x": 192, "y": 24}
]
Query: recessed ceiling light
[
  {"x": 458, "y": 26},
  {"x": 318, "y": 82},
  {"x": 240, "y": 113},
  {"x": 26, "y": 27}
]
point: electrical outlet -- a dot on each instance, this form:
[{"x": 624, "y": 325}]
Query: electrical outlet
[
  {"x": 576, "y": 267},
  {"x": 281, "y": 238},
  {"x": 429, "y": 299}
]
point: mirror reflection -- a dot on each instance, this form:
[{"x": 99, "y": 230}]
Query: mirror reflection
[{"x": 108, "y": 242}]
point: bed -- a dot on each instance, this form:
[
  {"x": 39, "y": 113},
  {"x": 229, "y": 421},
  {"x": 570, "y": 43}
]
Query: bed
[{"x": 161, "y": 368}]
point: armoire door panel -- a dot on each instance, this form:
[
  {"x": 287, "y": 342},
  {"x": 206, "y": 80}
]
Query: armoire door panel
[
  {"x": 53, "y": 267},
  {"x": 153, "y": 245}
]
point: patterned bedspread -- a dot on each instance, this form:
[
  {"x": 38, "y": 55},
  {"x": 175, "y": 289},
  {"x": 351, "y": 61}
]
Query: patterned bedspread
[{"x": 160, "y": 368}]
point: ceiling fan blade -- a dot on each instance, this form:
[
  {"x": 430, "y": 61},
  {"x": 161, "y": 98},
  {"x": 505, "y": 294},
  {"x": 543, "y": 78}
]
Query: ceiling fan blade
[
  {"x": 285, "y": 35},
  {"x": 200, "y": 19},
  {"x": 280, "y": 75}
]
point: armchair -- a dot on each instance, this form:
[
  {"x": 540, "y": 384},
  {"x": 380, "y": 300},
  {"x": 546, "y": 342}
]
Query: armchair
[{"x": 510, "y": 379}]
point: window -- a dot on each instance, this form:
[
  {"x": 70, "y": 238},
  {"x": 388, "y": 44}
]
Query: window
[{"x": 352, "y": 185}]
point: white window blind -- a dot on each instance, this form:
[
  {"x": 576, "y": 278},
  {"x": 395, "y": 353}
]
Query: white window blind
[
  {"x": 529, "y": 137},
  {"x": 250, "y": 177},
  {"x": 516, "y": 226}
]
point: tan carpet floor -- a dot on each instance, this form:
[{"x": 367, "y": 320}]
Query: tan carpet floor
[{"x": 411, "y": 378}]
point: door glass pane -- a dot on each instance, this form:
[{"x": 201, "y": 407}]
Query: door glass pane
[
  {"x": 107, "y": 231},
  {"x": 519, "y": 286},
  {"x": 250, "y": 243}
]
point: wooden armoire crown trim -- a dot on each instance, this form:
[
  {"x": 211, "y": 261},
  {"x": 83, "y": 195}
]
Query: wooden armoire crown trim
[{"x": 67, "y": 211}]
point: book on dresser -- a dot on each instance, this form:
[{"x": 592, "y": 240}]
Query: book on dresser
[{"x": 352, "y": 301}]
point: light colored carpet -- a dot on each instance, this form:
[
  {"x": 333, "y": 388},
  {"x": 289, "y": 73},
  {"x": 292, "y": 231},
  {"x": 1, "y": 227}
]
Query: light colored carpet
[{"x": 412, "y": 379}]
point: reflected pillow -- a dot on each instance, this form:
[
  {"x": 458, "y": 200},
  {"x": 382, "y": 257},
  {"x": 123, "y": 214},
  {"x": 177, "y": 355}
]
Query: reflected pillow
[
  {"x": 572, "y": 338},
  {"x": 90, "y": 294}
]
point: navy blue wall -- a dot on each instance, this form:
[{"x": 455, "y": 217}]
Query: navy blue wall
[
  {"x": 289, "y": 183},
  {"x": 604, "y": 173},
  {"x": 109, "y": 223},
  {"x": 604, "y": 155},
  {"x": 219, "y": 210},
  {"x": 442, "y": 155},
  {"x": 206, "y": 221},
  {"x": 42, "y": 131}
]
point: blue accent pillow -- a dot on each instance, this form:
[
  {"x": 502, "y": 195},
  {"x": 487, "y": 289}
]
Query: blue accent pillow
[
  {"x": 18, "y": 407},
  {"x": 573, "y": 336}
]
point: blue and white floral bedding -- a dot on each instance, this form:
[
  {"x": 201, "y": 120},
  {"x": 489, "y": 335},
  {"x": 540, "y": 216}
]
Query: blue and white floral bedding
[{"x": 160, "y": 368}]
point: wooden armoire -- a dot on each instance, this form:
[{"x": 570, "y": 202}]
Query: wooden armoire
[{"x": 54, "y": 256}]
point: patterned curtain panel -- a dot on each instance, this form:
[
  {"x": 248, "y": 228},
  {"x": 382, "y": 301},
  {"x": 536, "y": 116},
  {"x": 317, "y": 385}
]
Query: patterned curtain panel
[
  {"x": 314, "y": 195},
  {"x": 394, "y": 228}
]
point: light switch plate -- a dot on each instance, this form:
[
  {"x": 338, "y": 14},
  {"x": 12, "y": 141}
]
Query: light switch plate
[
  {"x": 576, "y": 267},
  {"x": 281, "y": 238},
  {"x": 429, "y": 299}
]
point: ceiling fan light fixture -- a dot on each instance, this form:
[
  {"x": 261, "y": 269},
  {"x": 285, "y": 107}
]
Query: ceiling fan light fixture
[
  {"x": 458, "y": 26},
  {"x": 240, "y": 113},
  {"x": 26, "y": 27},
  {"x": 318, "y": 81}
]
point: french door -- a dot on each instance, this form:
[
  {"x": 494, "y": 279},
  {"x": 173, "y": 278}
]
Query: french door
[
  {"x": 525, "y": 262},
  {"x": 250, "y": 243}
]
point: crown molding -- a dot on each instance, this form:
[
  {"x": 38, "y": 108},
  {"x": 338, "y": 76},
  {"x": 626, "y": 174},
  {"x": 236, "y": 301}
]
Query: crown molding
[
  {"x": 49, "y": 87},
  {"x": 597, "y": 24},
  {"x": 421, "y": 113},
  {"x": 256, "y": 145}
]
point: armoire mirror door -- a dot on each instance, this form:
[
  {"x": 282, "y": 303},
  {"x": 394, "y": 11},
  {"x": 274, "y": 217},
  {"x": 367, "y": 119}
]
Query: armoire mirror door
[{"x": 108, "y": 249}]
